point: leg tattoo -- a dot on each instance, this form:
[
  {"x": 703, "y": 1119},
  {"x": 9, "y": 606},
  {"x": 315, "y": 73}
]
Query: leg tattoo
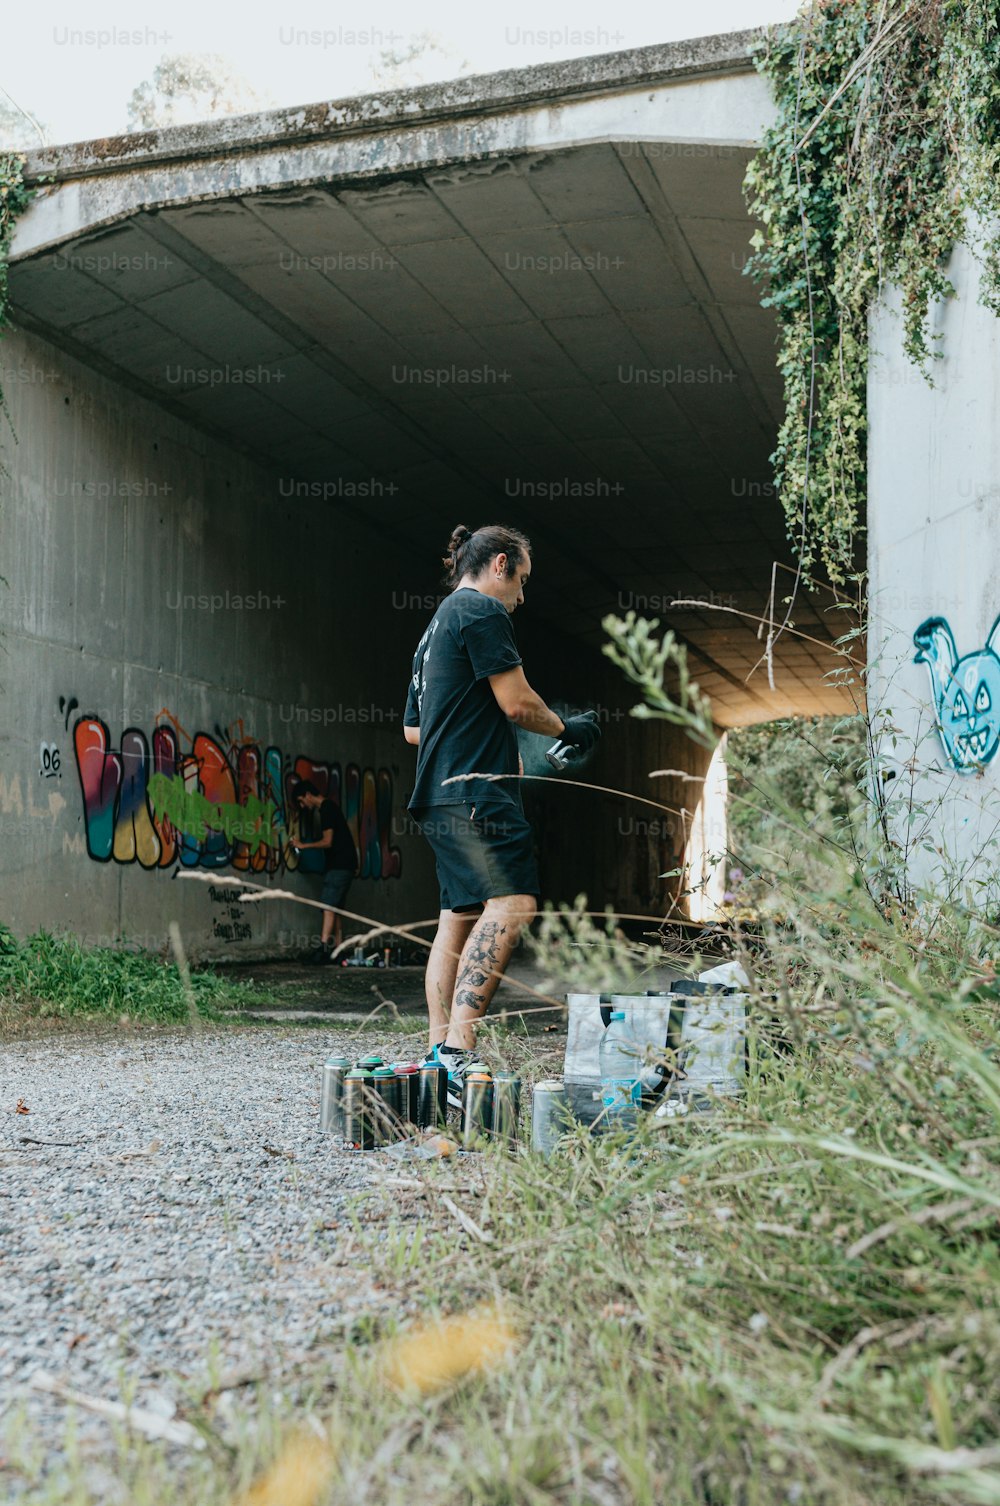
[{"x": 480, "y": 963}]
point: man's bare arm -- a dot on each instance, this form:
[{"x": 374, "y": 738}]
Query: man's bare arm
[
  {"x": 522, "y": 705},
  {"x": 412, "y": 735}
]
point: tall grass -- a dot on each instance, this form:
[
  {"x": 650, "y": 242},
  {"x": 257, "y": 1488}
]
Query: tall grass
[
  {"x": 57, "y": 976},
  {"x": 794, "y": 1297}
]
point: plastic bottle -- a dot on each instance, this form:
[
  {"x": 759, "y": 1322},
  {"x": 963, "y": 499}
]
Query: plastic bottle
[{"x": 621, "y": 1072}]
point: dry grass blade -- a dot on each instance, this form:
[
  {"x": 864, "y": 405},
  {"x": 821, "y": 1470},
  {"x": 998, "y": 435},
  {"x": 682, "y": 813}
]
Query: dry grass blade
[
  {"x": 932, "y": 1215},
  {"x": 850, "y": 1352},
  {"x": 151, "y": 1424},
  {"x": 180, "y": 957},
  {"x": 468, "y": 1224},
  {"x": 390, "y": 1448}
]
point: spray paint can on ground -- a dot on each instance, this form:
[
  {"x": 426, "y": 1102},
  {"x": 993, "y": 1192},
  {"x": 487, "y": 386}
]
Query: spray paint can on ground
[
  {"x": 550, "y": 1115},
  {"x": 408, "y": 1077},
  {"x": 432, "y": 1099},
  {"x": 477, "y": 1105},
  {"x": 386, "y": 1105},
  {"x": 506, "y": 1107},
  {"x": 331, "y": 1103},
  {"x": 359, "y": 1130}
]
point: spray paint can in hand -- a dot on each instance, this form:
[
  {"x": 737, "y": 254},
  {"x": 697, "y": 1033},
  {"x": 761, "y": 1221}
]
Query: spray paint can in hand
[
  {"x": 432, "y": 1099},
  {"x": 477, "y": 1105},
  {"x": 408, "y": 1077},
  {"x": 561, "y": 753},
  {"x": 550, "y": 1115},
  {"x": 359, "y": 1130},
  {"x": 331, "y": 1103}
]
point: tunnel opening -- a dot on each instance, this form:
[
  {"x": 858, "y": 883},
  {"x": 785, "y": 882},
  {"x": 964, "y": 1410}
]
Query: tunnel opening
[{"x": 561, "y": 340}]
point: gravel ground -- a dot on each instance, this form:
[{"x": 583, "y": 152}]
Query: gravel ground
[
  {"x": 192, "y": 1233},
  {"x": 192, "y": 1228}
]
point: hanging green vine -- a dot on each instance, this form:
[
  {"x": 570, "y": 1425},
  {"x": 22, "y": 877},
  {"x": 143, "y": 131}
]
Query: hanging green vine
[
  {"x": 14, "y": 199},
  {"x": 886, "y": 146}
]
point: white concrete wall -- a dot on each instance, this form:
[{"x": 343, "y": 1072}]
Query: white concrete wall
[
  {"x": 934, "y": 555},
  {"x": 708, "y": 842}
]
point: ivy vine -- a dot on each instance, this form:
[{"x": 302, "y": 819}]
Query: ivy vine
[
  {"x": 883, "y": 157},
  {"x": 14, "y": 199}
]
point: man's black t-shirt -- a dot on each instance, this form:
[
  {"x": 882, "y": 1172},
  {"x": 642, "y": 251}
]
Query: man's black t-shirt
[
  {"x": 462, "y": 729},
  {"x": 341, "y": 852}
]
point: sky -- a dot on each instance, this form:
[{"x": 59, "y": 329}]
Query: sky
[{"x": 74, "y": 66}]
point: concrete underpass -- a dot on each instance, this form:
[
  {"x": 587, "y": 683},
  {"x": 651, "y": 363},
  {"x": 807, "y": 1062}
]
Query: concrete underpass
[{"x": 264, "y": 365}]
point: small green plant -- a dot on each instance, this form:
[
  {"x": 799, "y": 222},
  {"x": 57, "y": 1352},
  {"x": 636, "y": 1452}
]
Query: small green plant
[
  {"x": 567, "y": 942},
  {"x": 61, "y": 977},
  {"x": 784, "y": 775},
  {"x": 648, "y": 661}
]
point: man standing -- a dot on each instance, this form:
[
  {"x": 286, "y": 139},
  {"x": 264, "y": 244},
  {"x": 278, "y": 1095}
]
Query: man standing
[
  {"x": 341, "y": 860},
  {"x": 467, "y": 696}
]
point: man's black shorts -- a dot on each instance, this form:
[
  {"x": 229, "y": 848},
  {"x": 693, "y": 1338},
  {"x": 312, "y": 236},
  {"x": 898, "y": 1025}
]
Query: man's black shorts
[
  {"x": 336, "y": 882},
  {"x": 483, "y": 849}
]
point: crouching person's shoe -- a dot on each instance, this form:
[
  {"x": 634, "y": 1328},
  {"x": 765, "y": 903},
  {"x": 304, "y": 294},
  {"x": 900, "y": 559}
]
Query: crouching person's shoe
[{"x": 456, "y": 1063}]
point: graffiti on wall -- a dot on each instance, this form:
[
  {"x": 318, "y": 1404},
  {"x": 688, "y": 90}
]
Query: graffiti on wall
[
  {"x": 232, "y": 924},
  {"x": 966, "y": 694},
  {"x": 49, "y": 754},
  {"x": 218, "y": 800}
]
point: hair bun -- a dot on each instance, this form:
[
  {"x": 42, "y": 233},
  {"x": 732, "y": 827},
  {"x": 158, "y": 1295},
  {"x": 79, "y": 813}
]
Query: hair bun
[{"x": 460, "y": 536}]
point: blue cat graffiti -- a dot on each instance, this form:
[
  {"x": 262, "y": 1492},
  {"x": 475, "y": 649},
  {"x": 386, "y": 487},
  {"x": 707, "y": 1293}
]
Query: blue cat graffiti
[{"x": 966, "y": 693}]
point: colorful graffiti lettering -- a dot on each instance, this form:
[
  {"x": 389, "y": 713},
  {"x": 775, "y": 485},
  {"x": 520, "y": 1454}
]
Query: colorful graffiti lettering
[
  {"x": 218, "y": 801},
  {"x": 966, "y": 694}
]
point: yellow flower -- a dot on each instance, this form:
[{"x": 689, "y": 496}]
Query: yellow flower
[
  {"x": 426, "y": 1358},
  {"x": 297, "y": 1477}
]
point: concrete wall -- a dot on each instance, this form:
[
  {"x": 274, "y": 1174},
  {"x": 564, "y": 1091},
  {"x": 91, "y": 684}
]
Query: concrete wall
[
  {"x": 158, "y": 582},
  {"x": 934, "y": 561},
  {"x": 157, "y": 579}
]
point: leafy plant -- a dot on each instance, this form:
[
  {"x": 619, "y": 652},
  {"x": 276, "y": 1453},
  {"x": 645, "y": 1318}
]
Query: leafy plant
[
  {"x": 883, "y": 157},
  {"x": 786, "y": 776},
  {"x": 648, "y": 661}
]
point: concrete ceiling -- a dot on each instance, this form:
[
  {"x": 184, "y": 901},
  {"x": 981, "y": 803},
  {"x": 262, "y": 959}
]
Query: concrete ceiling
[{"x": 609, "y": 375}]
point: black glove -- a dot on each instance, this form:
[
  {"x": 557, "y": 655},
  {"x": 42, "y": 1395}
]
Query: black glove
[{"x": 581, "y": 731}]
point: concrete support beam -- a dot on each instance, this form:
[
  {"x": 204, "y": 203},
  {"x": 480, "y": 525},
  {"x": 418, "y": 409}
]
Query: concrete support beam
[
  {"x": 704, "y": 91},
  {"x": 934, "y": 563}
]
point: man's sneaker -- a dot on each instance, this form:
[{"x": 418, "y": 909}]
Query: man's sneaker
[
  {"x": 456, "y": 1063},
  {"x": 320, "y": 956}
]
